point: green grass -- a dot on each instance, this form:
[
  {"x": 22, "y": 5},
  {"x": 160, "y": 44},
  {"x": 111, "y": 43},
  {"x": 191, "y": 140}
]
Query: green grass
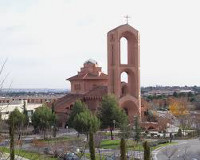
[
  {"x": 110, "y": 144},
  {"x": 131, "y": 145},
  {"x": 114, "y": 144},
  {"x": 27, "y": 154}
]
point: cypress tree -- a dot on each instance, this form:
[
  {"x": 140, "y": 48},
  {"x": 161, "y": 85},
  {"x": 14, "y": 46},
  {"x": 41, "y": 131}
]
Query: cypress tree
[
  {"x": 11, "y": 133},
  {"x": 123, "y": 149},
  {"x": 91, "y": 146},
  {"x": 147, "y": 152}
]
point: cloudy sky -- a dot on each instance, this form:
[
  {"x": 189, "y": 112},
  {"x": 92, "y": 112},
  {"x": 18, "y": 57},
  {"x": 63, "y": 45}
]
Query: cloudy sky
[{"x": 47, "y": 41}]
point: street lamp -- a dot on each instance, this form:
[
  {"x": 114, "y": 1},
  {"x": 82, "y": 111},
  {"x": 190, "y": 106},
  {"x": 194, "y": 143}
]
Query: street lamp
[{"x": 114, "y": 124}]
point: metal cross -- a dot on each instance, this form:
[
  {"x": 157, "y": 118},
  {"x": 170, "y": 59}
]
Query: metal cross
[{"x": 127, "y": 17}]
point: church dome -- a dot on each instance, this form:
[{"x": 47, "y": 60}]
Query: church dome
[{"x": 92, "y": 61}]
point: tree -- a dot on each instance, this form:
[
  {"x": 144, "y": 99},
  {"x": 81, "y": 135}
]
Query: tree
[
  {"x": 147, "y": 152},
  {"x": 91, "y": 146},
  {"x": 78, "y": 107},
  {"x": 11, "y": 134},
  {"x": 83, "y": 121},
  {"x": 16, "y": 118},
  {"x": 110, "y": 111},
  {"x": 175, "y": 94},
  {"x": 43, "y": 118},
  {"x": 25, "y": 113},
  {"x": 137, "y": 130},
  {"x": 123, "y": 149},
  {"x": 15, "y": 121},
  {"x": 86, "y": 122},
  {"x": 178, "y": 107},
  {"x": 179, "y": 133}
]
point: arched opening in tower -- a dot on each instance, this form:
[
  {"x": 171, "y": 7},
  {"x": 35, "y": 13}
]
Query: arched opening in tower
[
  {"x": 126, "y": 111},
  {"x": 124, "y": 84},
  {"x": 123, "y": 51}
]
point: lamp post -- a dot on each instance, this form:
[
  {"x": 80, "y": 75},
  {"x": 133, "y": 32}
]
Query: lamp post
[
  {"x": 114, "y": 128},
  {"x": 114, "y": 124}
]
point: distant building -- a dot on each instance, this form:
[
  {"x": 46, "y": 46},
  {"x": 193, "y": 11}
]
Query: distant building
[{"x": 7, "y": 108}]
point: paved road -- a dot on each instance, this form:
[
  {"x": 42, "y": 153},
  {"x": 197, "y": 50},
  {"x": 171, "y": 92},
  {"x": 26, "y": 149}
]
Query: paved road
[{"x": 184, "y": 150}]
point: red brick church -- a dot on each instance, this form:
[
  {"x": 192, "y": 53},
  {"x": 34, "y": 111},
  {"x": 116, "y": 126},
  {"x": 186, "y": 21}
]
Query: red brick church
[{"x": 91, "y": 84}]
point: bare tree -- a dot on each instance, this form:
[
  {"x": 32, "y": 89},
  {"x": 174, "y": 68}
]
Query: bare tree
[{"x": 2, "y": 78}]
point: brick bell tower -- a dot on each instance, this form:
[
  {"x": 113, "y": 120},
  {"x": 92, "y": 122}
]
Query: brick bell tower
[{"x": 128, "y": 93}]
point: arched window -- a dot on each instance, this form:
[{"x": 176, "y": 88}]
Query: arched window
[
  {"x": 123, "y": 51},
  {"x": 124, "y": 84},
  {"x": 124, "y": 77}
]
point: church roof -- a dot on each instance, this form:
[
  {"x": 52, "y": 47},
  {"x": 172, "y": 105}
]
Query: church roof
[
  {"x": 67, "y": 99},
  {"x": 89, "y": 76},
  {"x": 60, "y": 104},
  {"x": 98, "y": 91},
  {"x": 126, "y": 27}
]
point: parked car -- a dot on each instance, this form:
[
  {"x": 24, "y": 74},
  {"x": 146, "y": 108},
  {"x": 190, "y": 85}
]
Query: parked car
[{"x": 71, "y": 156}]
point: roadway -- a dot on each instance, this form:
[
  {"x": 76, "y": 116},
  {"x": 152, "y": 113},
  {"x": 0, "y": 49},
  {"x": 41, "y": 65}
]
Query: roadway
[{"x": 184, "y": 150}]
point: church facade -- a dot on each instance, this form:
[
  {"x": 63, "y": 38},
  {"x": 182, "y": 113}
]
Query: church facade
[{"x": 91, "y": 84}]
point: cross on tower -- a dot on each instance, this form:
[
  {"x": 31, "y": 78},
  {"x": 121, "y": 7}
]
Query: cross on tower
[{"x": 127, "y": 17}]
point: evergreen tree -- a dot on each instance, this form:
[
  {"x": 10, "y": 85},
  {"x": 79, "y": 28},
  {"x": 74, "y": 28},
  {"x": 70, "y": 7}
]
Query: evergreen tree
[
  {"x": 86, "y": 122},
  {"x": 11, "y": 134},
  {"x": 78, "y": 107},
  {"x": 123, "y": 149},
  {"x": 25, "y": 113},
  {"x": 147, "y": 152},
  {"x": 15, "y": 122},
  {"x": 137, "y": 130},
  {"x": 43, "y": 119},
  {"x": 91, "y": 146},
  {"x": 110, "y": 111},
  {"x": 179, "y": 134}
]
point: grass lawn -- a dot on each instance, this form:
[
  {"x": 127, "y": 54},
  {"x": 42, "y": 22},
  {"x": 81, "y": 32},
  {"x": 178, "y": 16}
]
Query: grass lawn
[
  {"x": 28, "y": 155},
  {"x": 115, "y": 144}
]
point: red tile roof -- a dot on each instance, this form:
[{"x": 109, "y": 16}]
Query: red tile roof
[{"x": 88, "y": 76}]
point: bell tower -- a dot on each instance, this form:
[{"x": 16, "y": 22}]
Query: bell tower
[{"x": 128, "y": 92}]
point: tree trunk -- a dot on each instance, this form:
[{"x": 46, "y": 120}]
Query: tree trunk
[
  {"x": 91, "y": 146},
  {"x": 12, "y": 147},
  {"x": 111, "y": 134},
  {"x": 123, "y": 149},
  {"x": 147, "y": 152}
]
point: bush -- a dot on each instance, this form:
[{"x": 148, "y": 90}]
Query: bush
[{"x": 179, "y": 133}]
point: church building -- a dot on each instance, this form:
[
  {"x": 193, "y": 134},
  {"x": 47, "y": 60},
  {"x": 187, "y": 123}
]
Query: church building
[{"x": 91, "y": 84}]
